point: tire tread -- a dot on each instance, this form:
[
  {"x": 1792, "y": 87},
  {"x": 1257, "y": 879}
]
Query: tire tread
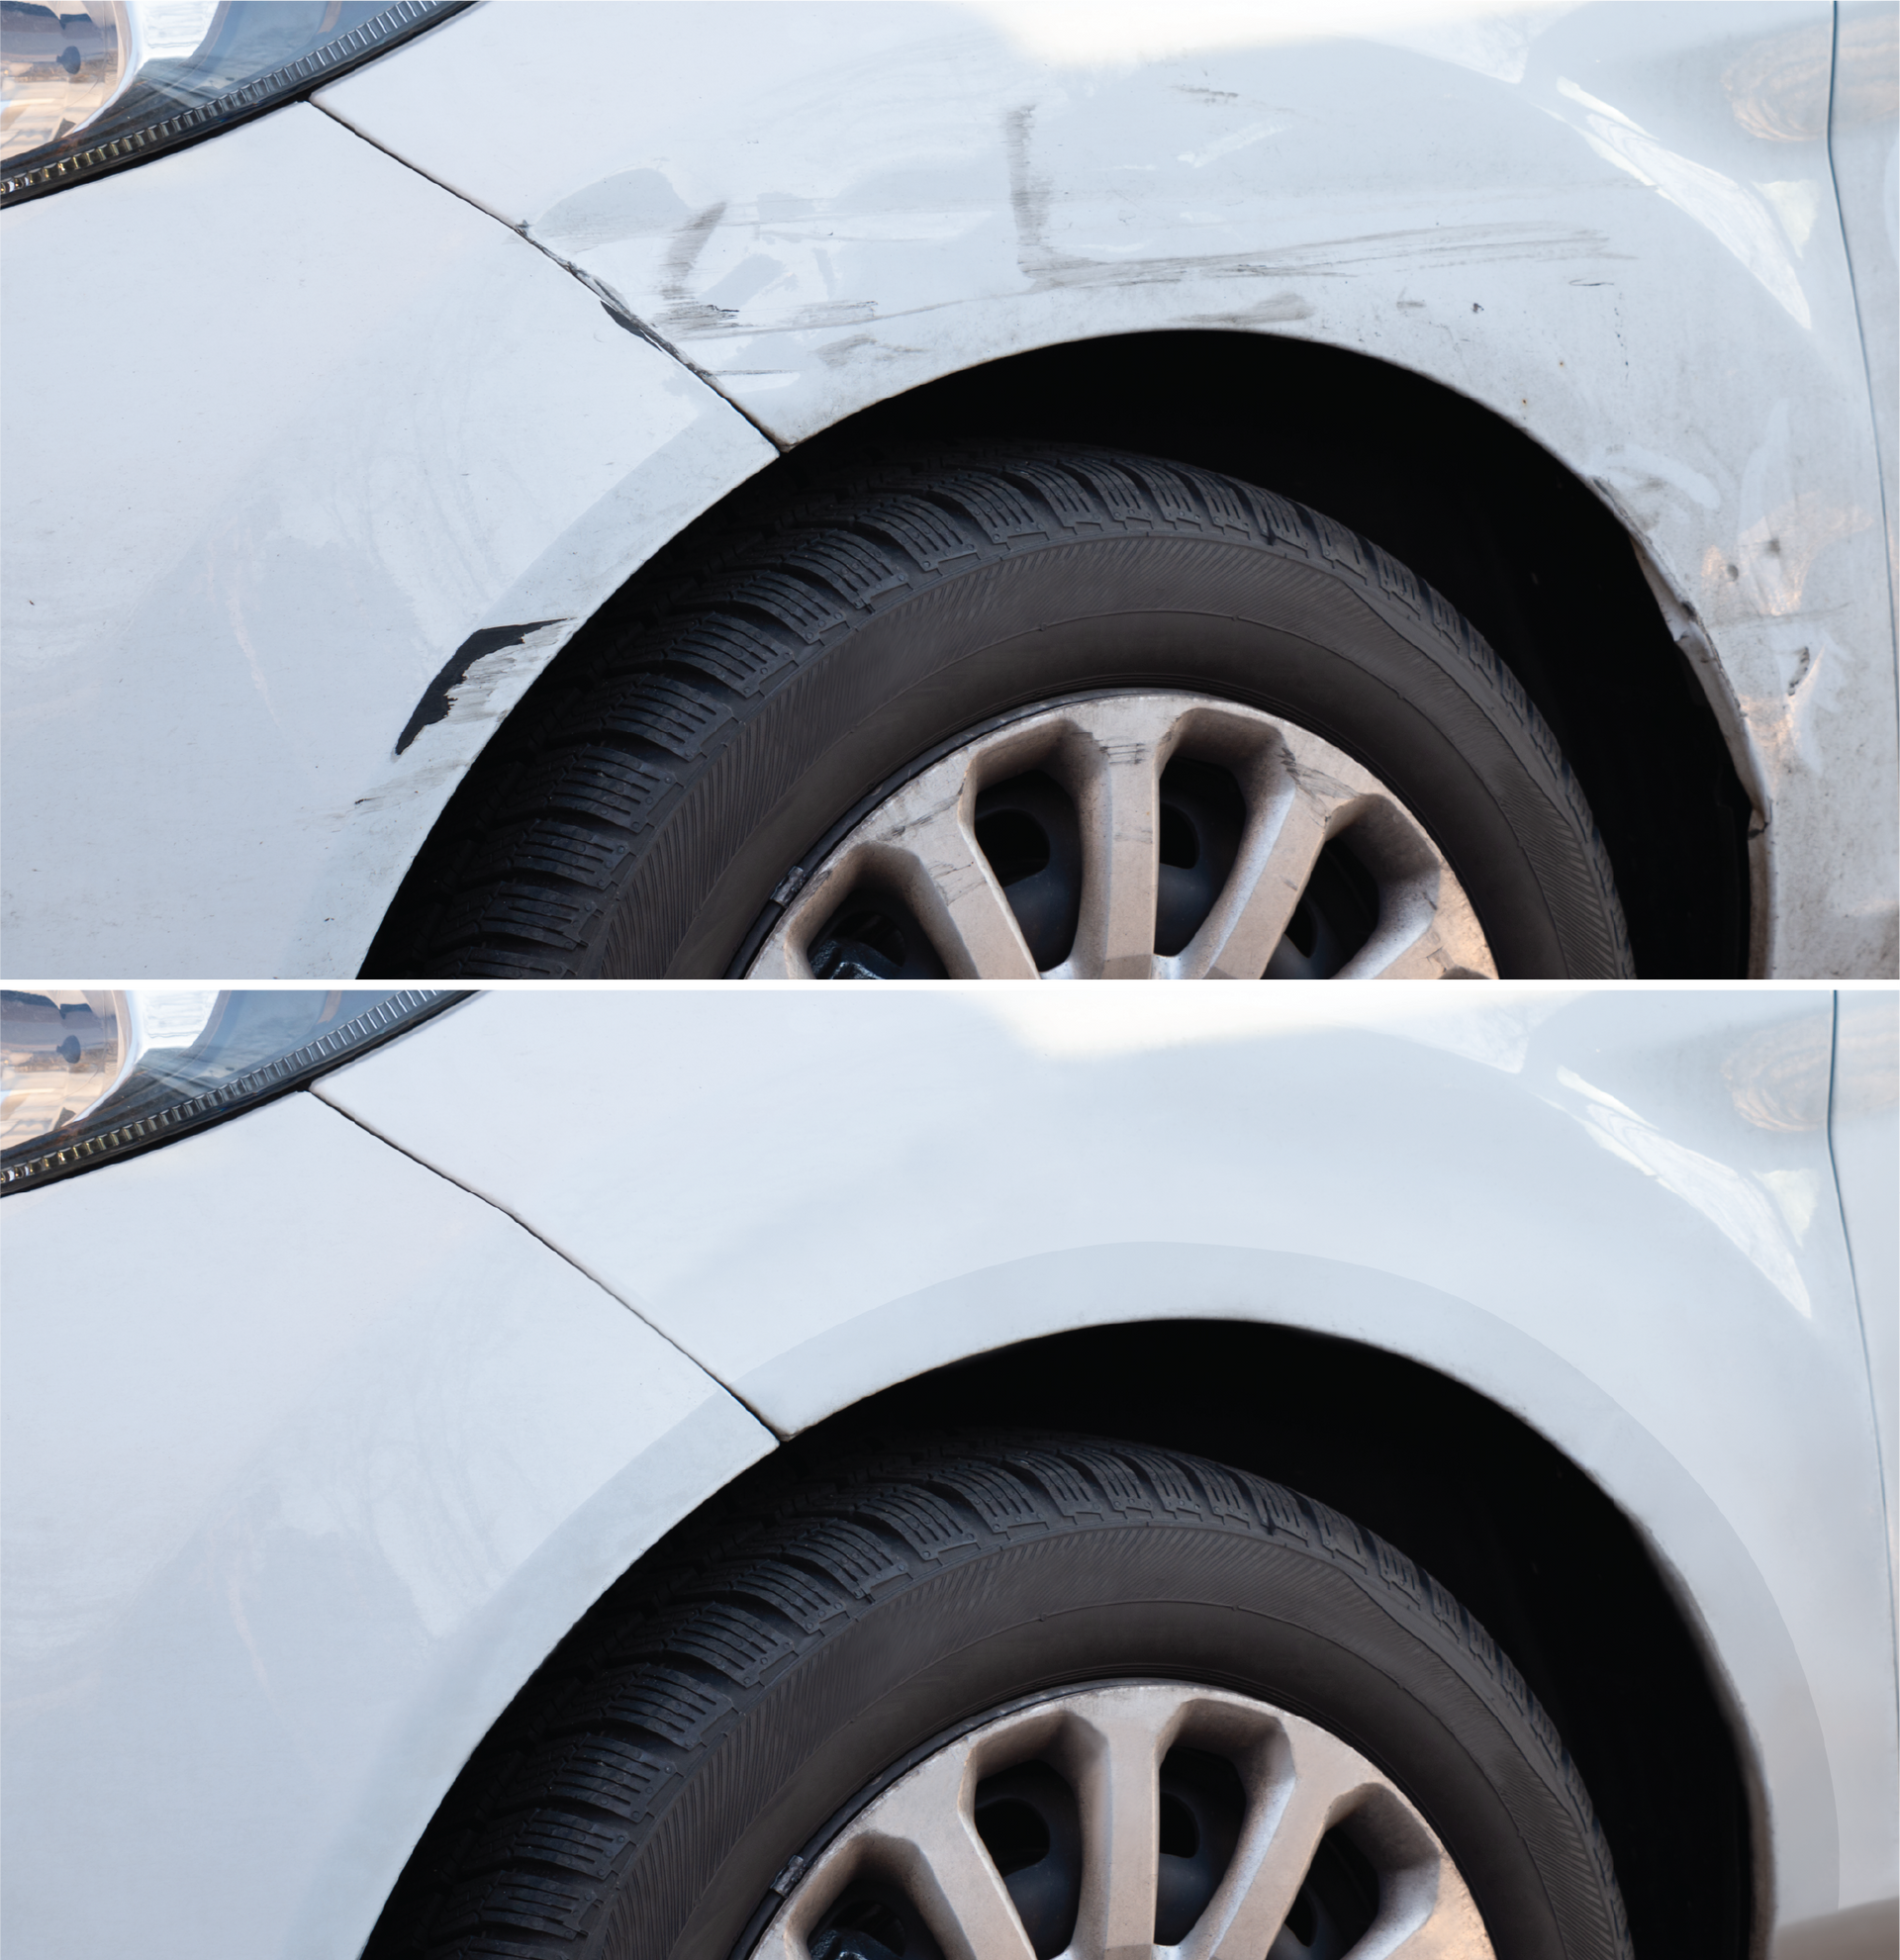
[
  {"x": 718, "y": 640},
  {"x": 526, "y": 1855}
]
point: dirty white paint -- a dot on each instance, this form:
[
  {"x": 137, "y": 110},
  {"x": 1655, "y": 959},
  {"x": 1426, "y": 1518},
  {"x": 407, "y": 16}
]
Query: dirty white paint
[
  {"x": 372, "y": 422},
  {"x": 1615, "y": 226},
  {"x": 1613, "y": 1211},
  {"x": 245, "y": 528}
]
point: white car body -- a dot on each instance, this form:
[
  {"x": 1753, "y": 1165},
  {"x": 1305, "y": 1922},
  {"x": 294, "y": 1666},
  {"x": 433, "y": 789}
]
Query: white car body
[
  {"x": 323, "y": 1426},
  {"x": 441, "y": 356}
]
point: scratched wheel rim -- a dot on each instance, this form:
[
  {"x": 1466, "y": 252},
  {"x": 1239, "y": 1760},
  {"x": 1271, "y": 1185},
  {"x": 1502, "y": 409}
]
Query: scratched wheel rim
[
  {"x": 1152, "y": 1819},
  {"x": 1134, "y": 836}
]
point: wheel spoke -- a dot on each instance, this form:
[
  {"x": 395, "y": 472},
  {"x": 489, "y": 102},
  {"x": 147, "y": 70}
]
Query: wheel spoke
[
  {"x": 959, "y": 901},
  {"x": 1286, "y": 1821},
  {"x": 1119, "y": 1795},
  {"x": 1432, "y": 1916},
  {"x": 1276, "y": 860},
  {"x": 1120, "y": 849},
  {"x": 928, "y": 1839},
  {"x": 1426, "y": 930}
]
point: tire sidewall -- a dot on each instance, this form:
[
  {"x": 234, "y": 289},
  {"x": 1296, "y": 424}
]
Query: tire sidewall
[
  {"x": 1240, "y": 620},
  {"x": 1164, "y": 1601}
]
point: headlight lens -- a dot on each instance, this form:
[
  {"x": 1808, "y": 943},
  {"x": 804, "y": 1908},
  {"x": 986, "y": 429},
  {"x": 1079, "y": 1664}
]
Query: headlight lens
[
  {"x": 87, "y": 1075},
  {"x": 87, "y": 89}
]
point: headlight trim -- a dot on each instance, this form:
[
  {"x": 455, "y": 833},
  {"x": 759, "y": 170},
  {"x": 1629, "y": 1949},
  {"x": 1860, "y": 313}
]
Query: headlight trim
[
  {"x": 403, "y": 1010},
  {"x": 74, "y": 160}
]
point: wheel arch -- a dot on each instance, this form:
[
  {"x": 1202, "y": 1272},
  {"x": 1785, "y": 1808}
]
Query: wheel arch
[
  {"x": 1536, "y": 557},
  {"x": 1568, "y": 1581},
  {"x": 1605, "y": 1628}
]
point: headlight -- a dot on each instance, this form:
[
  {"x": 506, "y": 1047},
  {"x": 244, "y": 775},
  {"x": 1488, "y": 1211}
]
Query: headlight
[
  {"x": 87, "y": 89},
  {"x": 87, "y": 1077}
]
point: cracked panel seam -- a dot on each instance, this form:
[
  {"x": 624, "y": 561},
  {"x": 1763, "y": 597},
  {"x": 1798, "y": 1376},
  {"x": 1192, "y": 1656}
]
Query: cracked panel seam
[{"x": 616, "y": 307}]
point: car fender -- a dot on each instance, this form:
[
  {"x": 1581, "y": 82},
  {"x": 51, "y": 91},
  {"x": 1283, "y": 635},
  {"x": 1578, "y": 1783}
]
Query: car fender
[
  {"x": 310, "y": 1459},
  {"x": 1614, "y": 1213},
  {"x": 358, "y": 462},
  {"x": 1613, "y": 226}
]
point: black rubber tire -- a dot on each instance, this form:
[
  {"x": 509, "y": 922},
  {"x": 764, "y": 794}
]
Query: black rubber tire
[
  {"x": 710, "y": 1722},
  {"x": 636, "y": 822}
]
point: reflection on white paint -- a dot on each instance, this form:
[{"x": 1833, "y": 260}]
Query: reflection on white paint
[
  {"x": 1729, "y": 212},
  {"x": 1736, "y": 1207},
  {"x": 1489, "y": 35},
  {"x": 1798, "y": 202},
  {"x": 1797, "y": 1192},
  {"x": 1065, "y": 1023}
]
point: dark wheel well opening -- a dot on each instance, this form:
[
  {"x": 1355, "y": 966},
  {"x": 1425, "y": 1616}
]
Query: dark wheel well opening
[
  {"x": 1498, "y": 1513},
  {"x": 1499, "y": 1516},
  {"x": 1471, "y": 503}
]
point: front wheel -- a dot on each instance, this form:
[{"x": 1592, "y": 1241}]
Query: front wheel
[
  {"x": 1014, "y": 1697},
  {"x": 1008, "y": 712}
]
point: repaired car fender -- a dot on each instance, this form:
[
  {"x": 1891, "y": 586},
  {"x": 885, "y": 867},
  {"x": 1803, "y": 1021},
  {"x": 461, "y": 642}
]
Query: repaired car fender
[
  {"x": 310, "y": 1459},
  {"x": 1614, "y": 1214}
]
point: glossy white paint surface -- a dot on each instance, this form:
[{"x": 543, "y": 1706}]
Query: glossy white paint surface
[
  {"x": 1614, "y": 1212},
  {"x": 310, "y": 1459},
  {"x": 1863, "y": 1125},
  {"x": 1864, "y": 1131},
  {"x": 285, "y": 424},
  {"x": 1613, "y": 224}
]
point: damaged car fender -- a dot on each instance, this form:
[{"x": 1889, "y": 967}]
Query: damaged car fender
[{"x": 1615, "y": 226}]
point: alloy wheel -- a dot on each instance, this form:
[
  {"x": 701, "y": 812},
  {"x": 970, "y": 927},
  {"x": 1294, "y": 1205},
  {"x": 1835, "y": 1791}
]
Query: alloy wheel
[
  {"x": 1152, "y": 1822},
  {"x": 1138, "y": 836}
]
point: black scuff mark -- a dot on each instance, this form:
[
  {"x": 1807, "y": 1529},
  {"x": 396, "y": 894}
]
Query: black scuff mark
[
  {"x": 637, "y": 327},
  {"x": 1031, "y": 193},
  {"x": 697, "y": 317},
  {"x": 433, "y": 706},
  {"x": 683, "y": 313},
  {"x": 689, "y": 242},
  {"x": 1265, "y": 312},
  {"x": 1028, "y": 192},
  {"x": 861, "y": 347}
]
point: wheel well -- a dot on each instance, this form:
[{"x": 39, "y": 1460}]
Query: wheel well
[
  {"x": 1556, "y": 1573},
  {"x": 1494, "y": 1512},
  {"x": 1525, "y": 1540},
  {"x": 1471, "y": 503}
]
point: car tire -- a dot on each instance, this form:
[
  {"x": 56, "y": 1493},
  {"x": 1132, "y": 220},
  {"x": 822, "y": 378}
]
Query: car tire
[
  {"x": 692, "y": 1772},
  {"x": 717, "y": 731}
]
